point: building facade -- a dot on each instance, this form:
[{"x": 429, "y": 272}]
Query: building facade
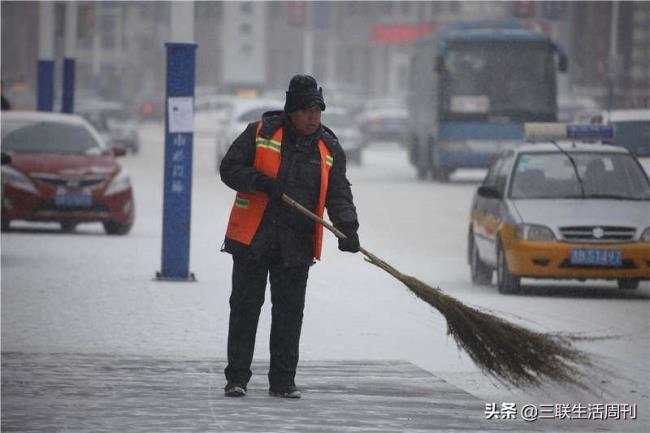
[{"x": 350, "y": 46}]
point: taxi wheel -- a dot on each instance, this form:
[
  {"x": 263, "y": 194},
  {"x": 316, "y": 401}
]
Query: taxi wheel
[
  {"x": 441, "y": 174},
  {"x": 628, "y": 284},
  {"x": 506, "y": 282},
  {"x": 481, "y": 273}
]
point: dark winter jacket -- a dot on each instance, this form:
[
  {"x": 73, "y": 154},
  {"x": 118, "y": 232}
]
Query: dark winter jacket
[{"x": 284, "y": 230}]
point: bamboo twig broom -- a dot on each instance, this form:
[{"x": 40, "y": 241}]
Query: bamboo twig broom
[{"x": 508, "y": 352}]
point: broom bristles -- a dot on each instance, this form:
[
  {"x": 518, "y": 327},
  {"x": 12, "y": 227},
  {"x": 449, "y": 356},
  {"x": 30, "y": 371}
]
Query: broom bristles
[
  {"x": 506, "y": 351},
  {"x": 503, "y": 349}
]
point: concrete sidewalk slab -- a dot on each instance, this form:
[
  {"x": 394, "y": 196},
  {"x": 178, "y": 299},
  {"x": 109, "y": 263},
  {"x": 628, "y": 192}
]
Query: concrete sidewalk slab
[{"x": 108, "y": 393}]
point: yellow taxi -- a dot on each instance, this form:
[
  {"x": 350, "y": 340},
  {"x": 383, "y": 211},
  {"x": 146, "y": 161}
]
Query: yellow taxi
[{"x": 561, "y": 209}]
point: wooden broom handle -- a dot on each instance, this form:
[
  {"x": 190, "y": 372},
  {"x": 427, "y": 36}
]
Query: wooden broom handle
[
  {"x": 294, "y": 204},
  {"x": 338, "y": 233}
]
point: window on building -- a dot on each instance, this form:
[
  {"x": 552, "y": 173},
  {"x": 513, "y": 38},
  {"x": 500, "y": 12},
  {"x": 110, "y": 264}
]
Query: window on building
[
  {"x": 387, "y": 7},
  {"x": 245, "y": 7},
  {"x": 274, "y": 9},
  {"x": 245, "y": 28},
  {"x": 246, "y": 49},
  {"x": 218, "y": 12}
]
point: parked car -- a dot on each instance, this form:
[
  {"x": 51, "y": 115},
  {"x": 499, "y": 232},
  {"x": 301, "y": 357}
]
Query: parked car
[
  {"x": 561, "y": 210},
  {"x": 114, "y": 122},
  {"x": 211, "y": 112},
  {"x": 61, "y": 170},
  {"x": 569, "y": 106},
  {"x": 383, "y": 120},
  {"x": 244, "y": 111},
  {"x": 631, "y": 129},
  {"x": 151, "y": 107},
  {"x": 342, "y": 124}
]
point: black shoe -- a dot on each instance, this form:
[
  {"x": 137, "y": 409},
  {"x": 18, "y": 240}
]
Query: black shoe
[
  {"x": 285, "y": 391},
  {"x": 234, "y": 389}
]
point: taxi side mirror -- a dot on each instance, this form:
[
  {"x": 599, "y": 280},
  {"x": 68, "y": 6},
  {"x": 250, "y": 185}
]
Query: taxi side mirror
[{"x": 488, "y": 191}]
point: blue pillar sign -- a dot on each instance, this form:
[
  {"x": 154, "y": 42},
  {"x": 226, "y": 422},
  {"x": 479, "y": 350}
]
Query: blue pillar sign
[
  {"x": 67, "y": 102},
  {"x": 45, "y": 86},
  {"x": 45, "y": 65},
  {"x": 177, "y": 199}
]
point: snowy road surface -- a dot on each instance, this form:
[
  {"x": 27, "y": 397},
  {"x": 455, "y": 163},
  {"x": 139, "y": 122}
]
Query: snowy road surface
[
  {"x": 88, "y": 293},
  {"x": 108, "y": 393}
]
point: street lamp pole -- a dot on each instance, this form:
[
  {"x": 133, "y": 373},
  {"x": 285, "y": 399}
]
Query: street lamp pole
[
  {"x": 308, "y": 42},
  {"x": 613, "y": 61}
]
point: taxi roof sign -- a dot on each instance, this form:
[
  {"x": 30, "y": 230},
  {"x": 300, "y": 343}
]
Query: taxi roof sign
[{"x": 538, "y": 131}]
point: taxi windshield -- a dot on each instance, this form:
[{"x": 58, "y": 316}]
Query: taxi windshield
[{"x": 602, "y": 175}]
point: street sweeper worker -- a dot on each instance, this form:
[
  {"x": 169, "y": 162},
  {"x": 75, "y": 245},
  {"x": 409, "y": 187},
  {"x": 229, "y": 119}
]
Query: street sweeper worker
[{"x": 286, "y": 152}]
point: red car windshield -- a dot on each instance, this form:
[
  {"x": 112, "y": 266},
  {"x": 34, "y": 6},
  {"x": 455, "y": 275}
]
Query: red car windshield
[{"x": 48, "y": 137}]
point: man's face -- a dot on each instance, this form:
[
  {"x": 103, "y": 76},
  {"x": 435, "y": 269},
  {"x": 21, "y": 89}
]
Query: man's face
[{"x": 307, "y": 120}]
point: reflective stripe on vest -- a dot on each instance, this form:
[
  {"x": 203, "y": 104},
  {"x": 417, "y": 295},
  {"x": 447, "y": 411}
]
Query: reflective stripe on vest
[{"x": 248, "y": 209}]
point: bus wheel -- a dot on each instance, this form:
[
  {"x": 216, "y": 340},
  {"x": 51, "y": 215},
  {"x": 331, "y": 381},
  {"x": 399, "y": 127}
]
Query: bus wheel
[{"x": 441, "y": 174}]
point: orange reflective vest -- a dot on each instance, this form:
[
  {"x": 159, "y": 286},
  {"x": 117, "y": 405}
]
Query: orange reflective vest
[{"x": 248, "y": 209}]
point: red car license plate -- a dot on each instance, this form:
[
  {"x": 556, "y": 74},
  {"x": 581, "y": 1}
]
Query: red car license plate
[{"x": 73, "y": 199}]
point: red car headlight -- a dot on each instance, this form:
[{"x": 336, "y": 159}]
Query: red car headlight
[
  {"x": 121, "y": 182},
  {"x": 16, "y": 179}
]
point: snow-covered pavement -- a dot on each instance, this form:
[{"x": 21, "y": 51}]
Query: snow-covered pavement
[{"x": 90, "y": 293}]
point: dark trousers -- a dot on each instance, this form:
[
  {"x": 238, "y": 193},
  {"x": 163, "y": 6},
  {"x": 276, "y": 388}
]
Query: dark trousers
[{"x": 288, "y": 298}]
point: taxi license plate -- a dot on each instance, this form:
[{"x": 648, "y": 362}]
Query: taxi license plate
[
  {"x": 73, "y": 199},
  {"x": 596, "y": 257}
]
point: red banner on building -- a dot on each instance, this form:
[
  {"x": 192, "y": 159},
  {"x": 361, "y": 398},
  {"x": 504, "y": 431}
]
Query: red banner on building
[
  {"x": 296, "y": 13},
  {"x": 400, "y": 33},
  {"x": 523, "y": 9}
]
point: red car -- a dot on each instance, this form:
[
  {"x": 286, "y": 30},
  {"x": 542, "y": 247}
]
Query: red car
[{"x": 62, "y": 171}]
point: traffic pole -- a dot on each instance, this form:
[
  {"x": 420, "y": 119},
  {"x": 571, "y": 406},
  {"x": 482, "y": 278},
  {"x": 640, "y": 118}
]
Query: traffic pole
[
  {"x": 308, "y": 42},
  {"x": 45, "y": 65},
  {"x": 179, "y": 135},
  {"x": 67, "y": 101},
  {"x": 612, "y": 58}
]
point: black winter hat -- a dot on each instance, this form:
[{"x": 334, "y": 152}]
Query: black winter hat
[{"x": 303, "y": 93}]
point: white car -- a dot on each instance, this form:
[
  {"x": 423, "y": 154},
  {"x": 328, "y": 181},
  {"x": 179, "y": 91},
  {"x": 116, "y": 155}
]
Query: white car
[
  {"x": 570, "y": 106},
  {"x": 383, "y": 120},
  {"x": 341, "y": 122},
  {"x": 243, "y": 112},
  {"x": 114, "y": 121},
  {"x": 210, "y": 115},
  {"x": 561, "y": 210}
]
